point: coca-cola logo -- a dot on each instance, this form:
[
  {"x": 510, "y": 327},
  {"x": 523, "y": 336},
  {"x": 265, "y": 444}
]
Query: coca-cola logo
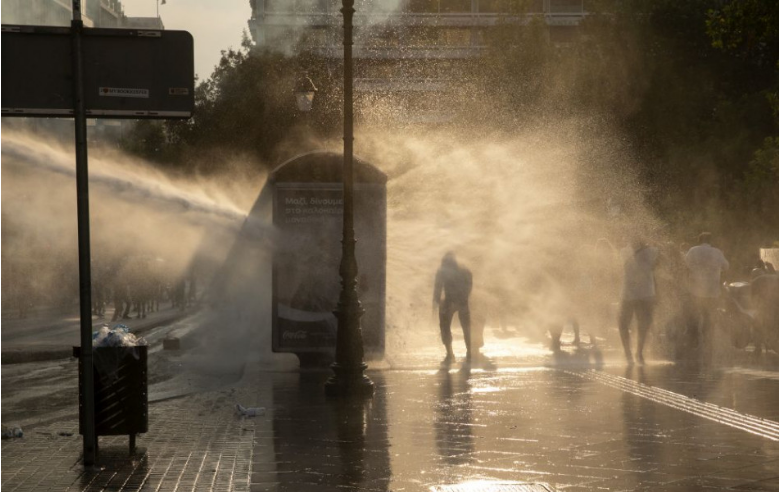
[{"x": 294, "y": 335}]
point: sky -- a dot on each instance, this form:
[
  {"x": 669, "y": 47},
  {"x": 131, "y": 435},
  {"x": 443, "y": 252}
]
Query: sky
[{"x": 215, "y": 24}]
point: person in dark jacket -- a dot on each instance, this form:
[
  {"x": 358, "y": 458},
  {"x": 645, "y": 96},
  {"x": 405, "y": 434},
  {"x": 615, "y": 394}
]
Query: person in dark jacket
[
  {"x": 455, "y": 283},
  {"x": 766, "y": 297}
]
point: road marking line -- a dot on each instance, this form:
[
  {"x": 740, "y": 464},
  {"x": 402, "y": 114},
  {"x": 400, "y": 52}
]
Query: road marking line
[{"x": 746, "y": 422}]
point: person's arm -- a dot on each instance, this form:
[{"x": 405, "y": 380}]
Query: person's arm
[
  {"x": 438, "y": 289},
  {"x": 655, "y": 257},
  {"x": 724, "y": 263},
  {"x": 689, "y": 258}
]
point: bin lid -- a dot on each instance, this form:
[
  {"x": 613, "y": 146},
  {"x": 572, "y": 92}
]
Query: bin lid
[{"x": 325, "y": 167}]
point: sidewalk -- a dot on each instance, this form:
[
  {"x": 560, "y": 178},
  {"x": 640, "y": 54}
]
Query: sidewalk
[
  {"x": 53, "y": 334},
  {"x": 556, "y": 425}
]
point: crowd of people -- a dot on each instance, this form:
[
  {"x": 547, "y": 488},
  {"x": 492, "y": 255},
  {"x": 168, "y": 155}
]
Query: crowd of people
[
  {"x": 138, "y": 286},
  {"x": 682, "y": 289},
  {"x": 124, "y": 287},
  {"x": 699, "y": 301}
]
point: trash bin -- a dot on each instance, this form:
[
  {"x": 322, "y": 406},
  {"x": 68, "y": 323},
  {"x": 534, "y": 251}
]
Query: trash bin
[{"x": 120, "y": 384}]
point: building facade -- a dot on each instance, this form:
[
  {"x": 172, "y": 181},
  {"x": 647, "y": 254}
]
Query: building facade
[
  {"x": 95, "y": 13},
  {"x": 411, "y": 49}
]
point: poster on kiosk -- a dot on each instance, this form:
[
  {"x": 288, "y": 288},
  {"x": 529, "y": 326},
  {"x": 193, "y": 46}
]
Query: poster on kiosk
[{"x": 308, "y": 217}]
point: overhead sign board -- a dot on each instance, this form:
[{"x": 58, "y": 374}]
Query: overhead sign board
[{"x": 128, "y": 73}]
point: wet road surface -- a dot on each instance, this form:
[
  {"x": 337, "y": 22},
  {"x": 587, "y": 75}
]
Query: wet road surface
[{"x": 528, "y": 420}]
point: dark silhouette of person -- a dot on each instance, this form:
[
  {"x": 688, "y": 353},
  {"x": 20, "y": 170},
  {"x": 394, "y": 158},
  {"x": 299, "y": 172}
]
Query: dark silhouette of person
[
  {"x": 179, "y": 300},
  {"x": 23, "y": 290},
  {"x": 455, "y": 283},
  {"x": 120, "y": 297},
  {"x": 765, "y": 296},
  {"x": 638, "y": 295}
]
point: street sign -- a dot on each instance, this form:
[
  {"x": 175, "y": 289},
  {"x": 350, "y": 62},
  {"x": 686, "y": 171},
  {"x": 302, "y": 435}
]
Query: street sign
[{"x": 128, "y": 73}]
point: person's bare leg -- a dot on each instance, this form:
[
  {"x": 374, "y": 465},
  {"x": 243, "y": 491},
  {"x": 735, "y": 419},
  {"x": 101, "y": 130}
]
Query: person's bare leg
[
  {"x": 624, "y": 323},
  {"x": 445, "y": 315},
  {"x": 464, "y": 321},
  {"x": 577, "y": 337},
  {"x": 644, "y": 311}
]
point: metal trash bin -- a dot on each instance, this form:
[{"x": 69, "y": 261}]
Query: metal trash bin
[{"x": 120, "y": 377}]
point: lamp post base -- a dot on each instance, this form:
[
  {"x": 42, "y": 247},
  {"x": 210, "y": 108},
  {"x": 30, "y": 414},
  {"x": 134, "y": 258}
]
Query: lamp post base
[{"x": 349, "y": 382}]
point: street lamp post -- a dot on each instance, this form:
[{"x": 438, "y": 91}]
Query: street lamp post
[{"x": 349, "y": 366}]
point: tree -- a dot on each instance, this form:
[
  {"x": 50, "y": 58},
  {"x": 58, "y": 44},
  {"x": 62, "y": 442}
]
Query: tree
[
  {"x": 245, "y": 108},
  {"x": 748, "y": 31}
]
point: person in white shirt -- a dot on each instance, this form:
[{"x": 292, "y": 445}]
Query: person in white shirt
[
  {"x": 705, "y": 266},
  {"x": 638, "y": 295}
]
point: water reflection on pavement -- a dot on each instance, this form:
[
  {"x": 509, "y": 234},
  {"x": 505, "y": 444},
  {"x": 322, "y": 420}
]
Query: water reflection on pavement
[
  {"x": 564, "y": 426},
  {"x": 519, "y": 418}
]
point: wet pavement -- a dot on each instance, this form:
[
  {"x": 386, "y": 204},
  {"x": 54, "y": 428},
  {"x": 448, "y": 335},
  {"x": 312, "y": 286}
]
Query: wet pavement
[
  {"x": 555, "y": 427},
  {"x": 574, "y": 421}
]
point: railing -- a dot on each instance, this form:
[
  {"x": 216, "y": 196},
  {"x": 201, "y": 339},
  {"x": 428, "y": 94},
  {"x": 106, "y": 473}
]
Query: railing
[
  {"x": 408, "y": 19},
  {"x": 413, "y": 7},
  {"x": 406, "y": 52}
]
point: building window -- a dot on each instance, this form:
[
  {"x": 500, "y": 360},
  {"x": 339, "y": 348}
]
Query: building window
[
  {"x": 535, "y": 6},
  {"x": 311, "y": 6},
  {"x": 278, "y": 35},
  {"x": 565, "y": 6},
  {"x": 511, "y": 6},
  {"x": 563, "y": 34},
  {"x": 318, "y": 37},
  {"x": 491, "y": 6},
  {"x": 454, "y": 37},
  {"x": 279, "y": 6},
  {"x": 423, "y": 6},
  {"x": 378, "y": 5},
  {"x": 423, "y": 36},
  {"x": 298, "y": 6},
  {"x": 378, "y": 37},
  {"x": 381, "y": 69},
  {"x": 455, "y": 6},
  {"x": 479, "y": 37}
]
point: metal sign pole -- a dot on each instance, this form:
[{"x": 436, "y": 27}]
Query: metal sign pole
[
  {"x": 135, "y": 85},
  {"x": 83, "y": 213}
]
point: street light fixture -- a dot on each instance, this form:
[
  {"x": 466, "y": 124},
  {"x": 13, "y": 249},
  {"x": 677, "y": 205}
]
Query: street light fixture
[
  {"x": 349, "y": 378},
  {"x": 305, "y": 93}
]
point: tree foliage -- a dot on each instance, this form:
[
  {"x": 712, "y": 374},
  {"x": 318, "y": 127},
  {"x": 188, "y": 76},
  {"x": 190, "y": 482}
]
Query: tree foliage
[
  {"x": 747, "y": 28},
  {"x": 247, "y": 107}
]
